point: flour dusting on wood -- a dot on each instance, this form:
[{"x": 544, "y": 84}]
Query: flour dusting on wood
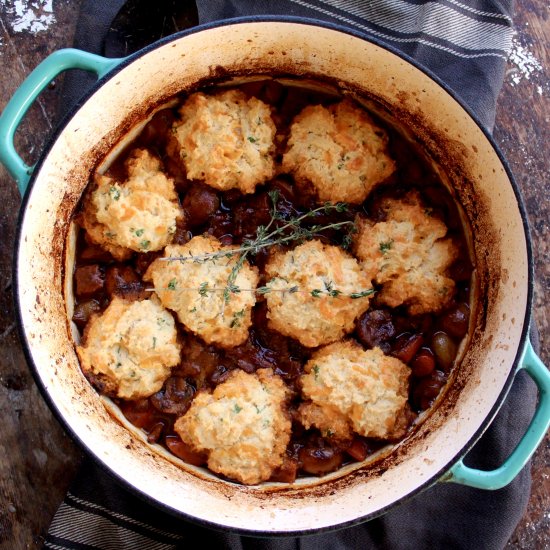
[
  {"x": 31, "y": 15},
  {"x": 525, "y": 64}
]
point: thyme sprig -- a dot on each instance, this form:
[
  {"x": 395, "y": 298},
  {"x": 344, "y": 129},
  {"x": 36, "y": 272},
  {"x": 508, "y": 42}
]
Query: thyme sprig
[
  {"x": 288, "y": 230},
  {"x": 266, "y": 236},
  {"x": 204, "y": 289}
]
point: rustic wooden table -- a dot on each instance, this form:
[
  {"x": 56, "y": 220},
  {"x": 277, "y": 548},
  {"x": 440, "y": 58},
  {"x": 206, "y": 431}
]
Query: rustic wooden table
[{"x": 37, "y": 459}]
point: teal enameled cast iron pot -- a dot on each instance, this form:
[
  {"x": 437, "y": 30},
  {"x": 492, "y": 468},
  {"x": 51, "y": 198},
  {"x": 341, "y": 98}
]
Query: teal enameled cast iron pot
[{"x": 127, "y": 93}]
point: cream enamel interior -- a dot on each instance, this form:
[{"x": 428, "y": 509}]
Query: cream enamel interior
[{"x": 149, "y": 80}]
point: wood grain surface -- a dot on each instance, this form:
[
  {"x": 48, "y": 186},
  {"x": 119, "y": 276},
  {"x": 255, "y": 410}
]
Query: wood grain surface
[{"x": 37, "y": 459}]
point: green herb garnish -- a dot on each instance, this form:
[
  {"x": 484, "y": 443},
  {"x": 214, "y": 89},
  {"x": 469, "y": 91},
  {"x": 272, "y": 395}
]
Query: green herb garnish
[
  {"x": 172, "y": 284},
  {"x": 114, "y": 192},
  {"x": 203, "y": 289}
]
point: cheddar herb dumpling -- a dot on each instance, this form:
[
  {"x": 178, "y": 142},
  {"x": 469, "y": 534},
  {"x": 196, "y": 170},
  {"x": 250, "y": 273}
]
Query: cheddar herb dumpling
[
  {"x": 226, "y": 140},
  {"x": 408, "y": 255},
  {"x": 138, "y": 214},
  {"x": 242, "y": 425},
  {"x": 130, "y": 348},
  {"x": 351, "y": 390},
  {"x": 316, "y": 291},
  {"x": 339, "y": 150},
  {"x": 195, "y": 290}
]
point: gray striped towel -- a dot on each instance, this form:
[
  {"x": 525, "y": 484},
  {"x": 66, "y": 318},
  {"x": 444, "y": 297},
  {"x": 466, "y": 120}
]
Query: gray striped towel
[{"x": 465, "y": 43}]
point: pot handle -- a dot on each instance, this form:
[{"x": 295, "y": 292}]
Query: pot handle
[
  {"x": 30, "y": 89},
  {"x": 503, "y": 475}
]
